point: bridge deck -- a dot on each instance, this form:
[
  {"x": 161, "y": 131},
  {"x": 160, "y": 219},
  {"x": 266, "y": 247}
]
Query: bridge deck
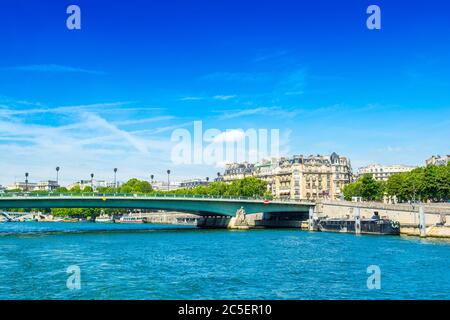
[{"x": 202, "y": 205}]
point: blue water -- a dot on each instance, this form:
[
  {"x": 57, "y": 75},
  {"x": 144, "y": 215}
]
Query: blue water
[{"x": 166, "y": 262}]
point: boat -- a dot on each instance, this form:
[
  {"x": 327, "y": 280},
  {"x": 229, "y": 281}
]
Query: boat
[
  {"x": 104, "y": 218},
  {"x": 130, "y": 218},
  {"x": 374, "y": 225}
]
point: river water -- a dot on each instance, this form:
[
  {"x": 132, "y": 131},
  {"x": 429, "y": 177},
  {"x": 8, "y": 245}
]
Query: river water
[{"x": 118, "y": 261}]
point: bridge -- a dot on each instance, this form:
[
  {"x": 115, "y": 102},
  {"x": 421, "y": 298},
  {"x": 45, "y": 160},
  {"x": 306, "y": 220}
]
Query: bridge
[{"x": 200, "y": 205}]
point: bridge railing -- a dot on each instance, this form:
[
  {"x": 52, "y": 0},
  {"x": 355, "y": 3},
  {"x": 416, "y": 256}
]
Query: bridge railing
[{"x": 132, "y": 195}]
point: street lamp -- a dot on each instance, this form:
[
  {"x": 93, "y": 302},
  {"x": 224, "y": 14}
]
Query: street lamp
[
  {"x": 92, "y": 181},
  {"x": 26, "y": 181},
  {"x": 151, "y": 177},
  {"x": 57, "y": 175},
  {"x": 168, "y": 180},
  {"x": 115, "y": 179}
]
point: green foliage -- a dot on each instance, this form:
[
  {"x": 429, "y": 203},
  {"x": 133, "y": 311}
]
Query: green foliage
[
  {"x": 430, "y": 183},
  {"x": 136, "y": 186},
  {"x": 76, "y": 212},
  {"x": 426, "y": 183},
  {"x": 247, "y": 187},
  {"x": 366, "y": 187}
]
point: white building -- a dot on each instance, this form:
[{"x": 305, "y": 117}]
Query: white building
[
  {"x": 192, "y": 183},
  {"x": 437, "y": 160},
  {"x": 92, "y": 183},
  {"x": 48, "y": 185},
  {"x": 382, "y": 172},
  {"x": 162, "y": 185},
  {"x": 23, "y": 186}
]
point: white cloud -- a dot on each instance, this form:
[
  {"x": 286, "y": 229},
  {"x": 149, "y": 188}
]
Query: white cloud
[
  {"x": 224, "y": 97},
  {"x": 266, "y": 111},
  {"x": 89, "y": 143},
  {"x": 191, "y": 98},
  {"x": 229, "y": 136},
  {"x": 53, "y": 68}
]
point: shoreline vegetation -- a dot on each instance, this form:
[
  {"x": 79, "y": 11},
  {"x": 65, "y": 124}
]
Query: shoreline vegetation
[{"x": 429, "y": 183}]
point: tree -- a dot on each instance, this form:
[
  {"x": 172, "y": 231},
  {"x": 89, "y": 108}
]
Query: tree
[
  {"x": 136, "y": 186},
  {"x": 365, "y": 187},
  {"x": 352, "y": 190}
]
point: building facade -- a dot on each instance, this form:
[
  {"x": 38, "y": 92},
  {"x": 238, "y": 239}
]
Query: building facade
[
  {"x": 164, "y": 186},
  {"x": 95, "y": 184},
  {"x": 193, "y": 183},
  {"x": 300, "y": 177},
  {"x": 22, "y": 186},
  {"x": 382, "y": 172},
  {"x": 437, "y": 160},
  {"x": 48, "y": 185}
]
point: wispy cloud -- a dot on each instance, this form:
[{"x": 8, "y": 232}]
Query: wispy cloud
[
  {"x": 271, "y": 55},
  {"x": 52, "y": 68},
  {"x": 142, "y": 121},
  {"x": 87, "y": 143},
  {"x": 224, "y": 97},
  {"x": 191, "y": 98},
  {"x": 7, "y": 111},
  {"x": 263, "y": 111},
  {"x": 237, "y": 76}
]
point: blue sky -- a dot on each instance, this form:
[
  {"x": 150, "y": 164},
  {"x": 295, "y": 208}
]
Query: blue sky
[{"x": 111, "y": 94}]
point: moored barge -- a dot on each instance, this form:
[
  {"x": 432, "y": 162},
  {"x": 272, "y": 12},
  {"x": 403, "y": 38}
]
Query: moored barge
[{"x": 375, "y": 225}]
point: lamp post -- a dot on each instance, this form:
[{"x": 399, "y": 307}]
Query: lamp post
[
  {"x": 26, "y": 181},
  {"x": 115, "y": 179},
  {"x": 168, "y": 180},
  {"x": 151, "y": 178},
  {"x": 92, "y": 182},
  {"x": 57, "y": 175}
]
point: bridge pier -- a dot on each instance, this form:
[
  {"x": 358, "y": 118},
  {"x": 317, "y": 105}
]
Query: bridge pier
[
  {"x": 422, "y": 223},
  {"x": 357, "y": 216},
  {"x": 239, "y": 221}
]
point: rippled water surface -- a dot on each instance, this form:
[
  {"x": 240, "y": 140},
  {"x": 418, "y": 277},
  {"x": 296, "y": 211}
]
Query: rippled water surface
[{"x": 165, "y": 262}]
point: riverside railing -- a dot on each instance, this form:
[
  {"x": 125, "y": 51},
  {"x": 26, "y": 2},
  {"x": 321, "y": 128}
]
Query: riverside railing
[{"x": 135, "y": 195}]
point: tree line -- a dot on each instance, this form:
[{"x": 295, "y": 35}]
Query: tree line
[{"x": 429, "y": 183}]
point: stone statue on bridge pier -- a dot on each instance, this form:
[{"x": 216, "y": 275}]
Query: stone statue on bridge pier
[{"x": 240, "y": 217}]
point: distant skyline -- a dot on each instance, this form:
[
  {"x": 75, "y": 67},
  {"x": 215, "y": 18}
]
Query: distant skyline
[{"x": 111, "y": 94}]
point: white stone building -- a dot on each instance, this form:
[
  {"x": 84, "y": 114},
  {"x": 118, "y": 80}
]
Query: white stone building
[
  {"x": 438, "y": 160},
  {"x": 383, "y": 172}
]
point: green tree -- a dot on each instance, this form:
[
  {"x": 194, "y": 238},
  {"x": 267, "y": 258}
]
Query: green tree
[{"x": 365, "y": 187}]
